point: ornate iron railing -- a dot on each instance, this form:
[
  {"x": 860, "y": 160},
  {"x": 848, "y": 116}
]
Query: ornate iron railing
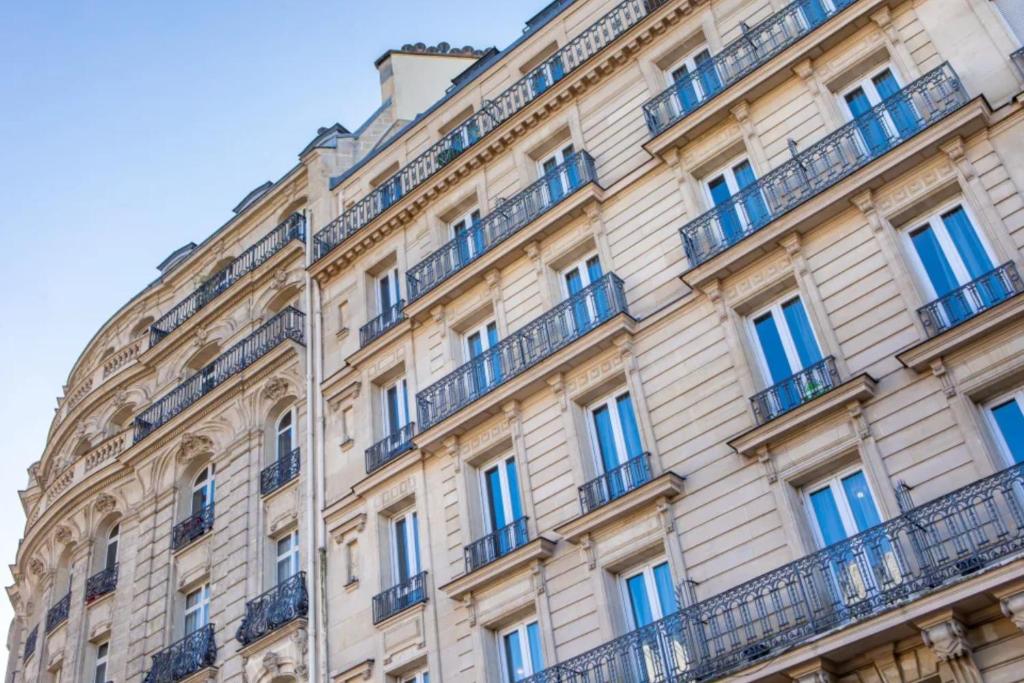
[
  {"x": 794, "y": 391},
  {"x": 869, "y": 136},
  {"x": 1017, "y": 57},
  {"x": 517, "y": 353},
  {"x": 975, "y": 297},
  {"x": 288, "y": 324},
  {"x": 509, "y": 217},
  {"x": 281, "y": 604},
  {"x": 754, "y": 47},
  {"x": 400, "y": 598},
  {"x": 193, "y": 527},
  {"x": 280, "y": 472},
  {"x": 492, "y": 114},
  {"x": 30, "y": 642},
  {"x": 925, "y": 549},
  {"x": 58, "y": 614},
  {"x": 382, "y": 323},
  {"x": 101, "y": 583},
  {"x": 602, "y": 490},
  {"x": 496, "y": 544},
  {"x": 294, "y": 228},
  {"x": 390, "y": 447},
  {"x": 194, "y": 652}
]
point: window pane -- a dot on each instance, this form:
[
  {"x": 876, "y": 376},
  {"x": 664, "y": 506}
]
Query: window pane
[
  {"x": 1010, "y": 421},
  {"x": 594, "y": 268},
  {"x": 392, "y": 407},
  {"x": 719, "y": 191},
  {"x": 936, "y": 266},
  {"x": 803, "y": 336},
  {"x": 744, "y": 174},
  {"x": 861, "y": 503},
  {"x": 666, "y": 592},
  {"x": 514, "y": 657},
  {"x": 573, "y": 281},
  {"x": 536, "y": 654},
  {"x": 495, "y": 502},
  {"x": 967, "y": 242},
  {"x": 401, "y": 551},
  {"x": 475, "y": 345},
  {"x": 630, "y": 432},
  {"x": 826, "y": 514},
  {"x": 772, "y": 349},
  {"x": 513, "y": 489},
  {"x": 639, "y": 602},
  {"x": 605, "y": 438}
]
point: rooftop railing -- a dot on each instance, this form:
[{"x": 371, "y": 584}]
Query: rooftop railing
[
  {"x": 616, "y": 483},
  {"x": 496, "y": 544},
  {"x": 193, "y": 653},
  {"x": 521, "y": 350},
  {"x": 288, "y": 324},
  {"x": 389, "y": 448},
  {"x": 280, "y": 605},
  {"x": 399, "y": 598},
  {"x": 101, "y": 583},
  {"x": 755, "y": 46},
  {"x": 794, "y": 391},
  {"x": 30, "y": 642},
  {"x": 294, "y": 228},
  {"x": 869, "y": 136},
  {"x": 927, "y": 548},
  {"x": 382, "y": 323},
  {"x": 193, "y": 527},
  {"x": 58, "y": 614},
  {"x": 972, "y": 299},
  {"x": 509, "y": 217},
  {"x": 492, "y": 114},
  {"x": 280, "y": 472}
]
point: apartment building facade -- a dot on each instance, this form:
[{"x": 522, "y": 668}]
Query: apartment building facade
[{"x": 679, "y": 340}]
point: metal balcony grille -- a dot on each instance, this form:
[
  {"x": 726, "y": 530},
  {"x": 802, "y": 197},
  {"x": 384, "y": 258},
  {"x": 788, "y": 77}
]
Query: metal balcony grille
[
  {"x": 381, "y": 324},
  {"x": 294, "y": 228},
  {"x": 58, "y": 614},
  {"x": 517, "y": 353},
  {"x": 101, "y": 583},
  {"x": 496, "y": 544},
  {"x": 390, "y": 447},
  {"x": 923, "y": 550},
  {"x": 491, "y": 115},
  {"x": 509, "y": 217},
  {"x": 974, "y": 298},
  {"x": 754, "y": 47},
  {"x": 193, "y": 653},
  {"x": 281, "y": 604},
  {"x": 602, "y": 490},
  {"x": 30, "y": 642},
  {"x": 288, "y": 324},
  {"x": 868, "y": 137},
  {"x": 794, "y": 391},
  {"x": 280, "y": 472},
  {"x": 192, "y": 528},
  {"x": 400, "y": 598}
]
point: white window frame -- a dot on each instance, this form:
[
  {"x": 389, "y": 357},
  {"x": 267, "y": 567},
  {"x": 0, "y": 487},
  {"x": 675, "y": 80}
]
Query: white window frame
[
  {"x": 402, "y": 387},
  {"x": 412, "y": 543},
  {"x": 728, "y": 172},
  {"x": 202, "y": 607},
  {"x": 559, "y": 156},
  {"x": 506, "y": 488},
  {"x": 788, "y": 345},
  {"x": 690, "y": 62},
  {"x": 611, "y": 402},
  {"x": 524, "y": 641},
  {"x": 647, "y": 570},
  {"x": 291, "y": 555},
  {"x": 466, "y": 220},
  {"x": 867, "y": 84},
  {"x": 421, "y": 676},
  {"x": 485, "y": 342},
  {"x": 207, "y": 485},
  {"x": 391, "y": 281},
  {"x": 102, "y": 658},
  {"x": 113, "y": 539},
  {"x": 997, "y": 434},
  {"x": 581, "y": 265},
  {"x": 829, "y": 7},
  {"x": 278, "y": 432},
  {"x": 834, "y": 482}
]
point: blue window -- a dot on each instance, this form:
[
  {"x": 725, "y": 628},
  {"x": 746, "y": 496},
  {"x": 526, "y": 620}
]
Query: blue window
[
  {"x": 202, "y": 490},
  {"x": 469, "y": 236},
  {"x": 387, "y": 291},
  {"x": 842, "y": 507},
  {"x": 396, "y": 413},
  {"x": 616, "y": 438},
  {"x": 741, "y": 205},
  {"x": 650, "y": 594},
  {"x": 405, "y": 532},
  {"x": 816, "y": 11},
  {"x": 1007, "y": 416},
  {"x": 521, "y": 652},
  {"x": 696, "y": 79},
  {"x": 561, "y": 175},
  {"x": 502, "y": 505},
  {"x": 786, "y": 342},
  {"x": 590, "y": 308},
  {"x": 884, "y": 115},
  {"x": 486, "y": 371}
]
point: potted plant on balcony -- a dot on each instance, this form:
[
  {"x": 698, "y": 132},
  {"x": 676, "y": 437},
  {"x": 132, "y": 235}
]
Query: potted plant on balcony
[{"x": 445, "y": 156}]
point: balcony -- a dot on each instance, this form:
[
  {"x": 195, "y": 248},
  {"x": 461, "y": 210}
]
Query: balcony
[
  {"x": 755, "y": 47},
  {"x": 192, "y": 528},
  {"x": 293, "y": 228},
  {"x": 794, "y": 391},
  {"x": 972, "y": 299},
  {"x": 30, "y": 643},
  {"x": 101, "y": 583},
  {"x": 496, "y": 544},
  {"x": 610, "y": 486},
  {"x": 381, "y": 324},
  {"x": 522, "y": 350},
  {"x": 280, "y": 473},
  {"x": 928, "y": 548},
  {"x": 389, "y": 448},
  {"x": 191, "y": 654},
  {"x": 492, "y": 114},
  {"x": 400, "y": 598},
  {"x": 508, "y": 218},
  {"x": 58, "y": 614},
  {"x": 288, "y": 324},
  {"x": 829, "y": 161},
  {"x": 280, "y": 605}
]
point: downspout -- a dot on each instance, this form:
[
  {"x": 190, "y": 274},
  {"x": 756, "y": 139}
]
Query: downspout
[{"x": 321, "y": 491}]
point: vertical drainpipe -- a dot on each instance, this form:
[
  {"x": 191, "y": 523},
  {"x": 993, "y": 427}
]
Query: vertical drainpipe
[{"x": 321, "y": 488}]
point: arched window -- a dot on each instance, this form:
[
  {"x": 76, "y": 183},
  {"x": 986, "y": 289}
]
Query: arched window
[
  {"x": 112, "y": 537},
  {"x": 285, "y": 435},
  {"x": 202, "y": 490}
]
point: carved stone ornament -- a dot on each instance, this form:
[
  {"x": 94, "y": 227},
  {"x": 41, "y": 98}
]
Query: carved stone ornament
[
  {"x": 120, "y": 398},
  {"x": 62, "y": 535},
  {"x": 276, "y": 389},
  {"x": 105, "y": 503},
  {"x": 199, "y": 337},
  {"x": 271, "y": 663},
  {"x": 36, "y": 566},
  {"x": 280, "y": 279},
  {"x": 194, "y": 445}
]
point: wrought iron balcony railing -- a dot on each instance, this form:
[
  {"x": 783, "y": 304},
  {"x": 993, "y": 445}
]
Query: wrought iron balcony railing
[
  {"x": 101, "y": 583},
  {"x": 400, "y": 598},
  {"x": 925, "y": 549},
  {"x": 974, "y": 298},
  {"x": 1017, "y": 58},
  {"x": 496, "y": 544},
  {"x": 294, "y": 228},
  {"x": 194, "y": 652},
  {"x": 58, "y": 614},
  {"x": 521, "y": 350},
  {"x": 390, "y": 447},
  {"x": 381, "y": 324},
  {"x": 825, "y": 163},
  {"x": 794, "y": 391},
  {"x": 192, "y": 528},
  {"x": 602, "y": 490},
  {"x": 492, "y": 114},
  {"x": 509, "y": 217},
  {"x": 30, "y": 642},
  {"x": 281, "y": 604},
  {"x": 754, "y": 47},
  {"x": 288, "y": 324},
  {"x": 280, "y": 472}
]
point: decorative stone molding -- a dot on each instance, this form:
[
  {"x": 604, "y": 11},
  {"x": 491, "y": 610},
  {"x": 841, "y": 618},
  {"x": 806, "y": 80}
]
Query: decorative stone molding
[
  {"x": 105, "y": 503},
  {"x": 1013, "y": 608},
  {"x": 948, "y": 640},
  {"x": 36, "y": 566},
  {"x": 193, "y": 446},
  {"x": 276, "y": 388},
  {"x": 63, "y": 535}
]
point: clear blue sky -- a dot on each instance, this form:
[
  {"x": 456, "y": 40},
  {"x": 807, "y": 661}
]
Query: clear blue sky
[{"x": 130, "y": 128}]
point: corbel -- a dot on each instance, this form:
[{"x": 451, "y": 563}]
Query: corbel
[
  {"x": 589, "y": 551},
  {"x": 469, "y": 602},
  {"x": 861, "y": 426},
  {"x": 664, "y": 509},
  {"x": 557, "y": 384},
  {"x": 537, "y": 578},
  {"x": 940, "y": 371},
  {"x": 452, "y": 450},
  {"x": 764, "y": 456}
]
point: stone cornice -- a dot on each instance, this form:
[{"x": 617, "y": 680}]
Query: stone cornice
[
  {"x": 668, "y": 487},
  {"x": 537, "y": 550}
]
